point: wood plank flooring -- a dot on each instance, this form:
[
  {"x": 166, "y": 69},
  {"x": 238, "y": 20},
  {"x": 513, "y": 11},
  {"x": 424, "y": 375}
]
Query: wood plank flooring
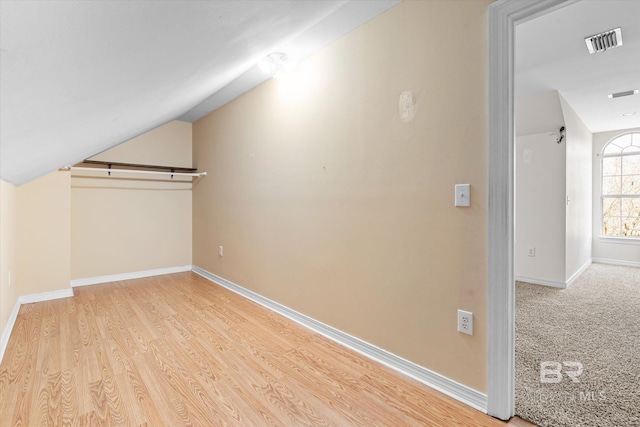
[{"x": 178, "y": 350}]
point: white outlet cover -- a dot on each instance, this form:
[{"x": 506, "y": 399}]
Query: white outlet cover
[{"x": 465, "y": 322}]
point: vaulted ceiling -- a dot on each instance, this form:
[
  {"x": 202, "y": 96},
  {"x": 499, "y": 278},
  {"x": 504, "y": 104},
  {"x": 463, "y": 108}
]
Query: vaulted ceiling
[{"x": 79, "y": 77}]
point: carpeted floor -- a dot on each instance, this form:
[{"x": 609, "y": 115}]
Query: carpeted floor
[{"x": 593, "y": 325}]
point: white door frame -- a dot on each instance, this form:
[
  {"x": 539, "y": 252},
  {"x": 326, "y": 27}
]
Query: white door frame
[{"x": 504, "y": 15}]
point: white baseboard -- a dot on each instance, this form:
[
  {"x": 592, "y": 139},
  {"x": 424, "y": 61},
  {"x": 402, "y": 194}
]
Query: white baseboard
[
  {"x": 579, "y": 272},
  {"x": 64, "y": 293},
  {"x": 7, "y": 330},
  {"x": 28, "y": 299},
  {"x": 128, "y": 276},
  {"x": 617, "y": 262},
  {"x": 543, "y": 282},
  {"x": 45, "y": 296},
  {"x": 554, "y": 284},
  {"x": 432, "y": 379}
]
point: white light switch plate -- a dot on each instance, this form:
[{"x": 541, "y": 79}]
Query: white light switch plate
[{"x": 463, "y": 195}]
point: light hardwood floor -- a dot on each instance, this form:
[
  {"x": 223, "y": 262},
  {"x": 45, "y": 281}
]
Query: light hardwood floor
[{"x": 178, "y": 350}]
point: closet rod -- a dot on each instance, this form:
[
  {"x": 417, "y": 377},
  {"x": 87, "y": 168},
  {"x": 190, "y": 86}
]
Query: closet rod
[
  {"x": 75, "y": 168},
  {"x": 136, "y": 165}
]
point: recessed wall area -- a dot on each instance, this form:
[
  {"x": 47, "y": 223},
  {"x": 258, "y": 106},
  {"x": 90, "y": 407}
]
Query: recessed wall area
[
  {"x": 131, "y": 223},
  {"x": 67, "y": 226}
]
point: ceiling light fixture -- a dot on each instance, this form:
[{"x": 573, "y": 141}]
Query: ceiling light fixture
[
  {"x": 632, "y": 113},
  {"x": 276, "y": 64},
  {"x": 621, "y": 94},
  {"x": 603, "y": 41}
]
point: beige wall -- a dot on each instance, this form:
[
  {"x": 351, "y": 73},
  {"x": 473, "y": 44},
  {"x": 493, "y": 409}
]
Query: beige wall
[
  {"x": 131, "y": 223},
  {"x": 8, "y": 294},
  {"x": 35, "y": 242},
  {"x": 327, "y": 202},
  {"x": 167, "y": 145},
  {"x": 43, "y": 234}
]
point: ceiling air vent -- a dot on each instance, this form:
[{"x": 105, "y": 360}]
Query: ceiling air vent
[
  {"x": 625, "y": 93},
  {"x": 603, "y": 41}
]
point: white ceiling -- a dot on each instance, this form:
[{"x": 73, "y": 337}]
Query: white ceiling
[
  {"x": 551, "y": 55},
  {"x": 79, "y": 77}
]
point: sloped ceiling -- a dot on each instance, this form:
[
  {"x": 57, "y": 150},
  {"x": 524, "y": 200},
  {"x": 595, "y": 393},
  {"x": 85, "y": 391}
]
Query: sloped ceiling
[{"x": 79, "y": 77}]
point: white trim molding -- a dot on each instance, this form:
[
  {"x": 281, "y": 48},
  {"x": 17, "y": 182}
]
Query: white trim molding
[
  {"x": 617, "y": 262},
  {"x": 129, "y": 276},
  {"x": 9, "y": 328},
  {"x": 432, "y": 379},
  {"x": 619, "y": 240},
  {"x": 45, "y": 296},
  {"x": 543, "y": 282},
  {"x": 28, "y": 299},
  {"x": 65, "y": 293},
  {"x": 504, "y": 15},
  {"x": 553, "y": 283},
  {"x": 579, "y": 272}
]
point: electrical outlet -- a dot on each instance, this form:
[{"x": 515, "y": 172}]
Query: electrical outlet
[
  {"x": 465, "y": 322},
  {"x": 532, "y": 252},
  {"x": 220, "y": 250}
]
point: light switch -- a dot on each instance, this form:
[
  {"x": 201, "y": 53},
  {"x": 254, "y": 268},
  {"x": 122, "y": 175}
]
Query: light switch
[{"x": 463, "y": 195}]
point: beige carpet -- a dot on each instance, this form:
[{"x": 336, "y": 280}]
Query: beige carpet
[{"x": 593, "y": 325}]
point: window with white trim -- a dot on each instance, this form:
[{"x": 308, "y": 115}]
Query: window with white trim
[{"x": 621, "y": 186}]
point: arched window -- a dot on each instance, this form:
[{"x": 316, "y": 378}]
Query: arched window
[{"x": 621, "y": 186}]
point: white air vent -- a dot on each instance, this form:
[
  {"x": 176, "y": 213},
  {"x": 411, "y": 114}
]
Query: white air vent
[
  {"x": 603, "y": 41},
  {"x": 621, "y": 94}
]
